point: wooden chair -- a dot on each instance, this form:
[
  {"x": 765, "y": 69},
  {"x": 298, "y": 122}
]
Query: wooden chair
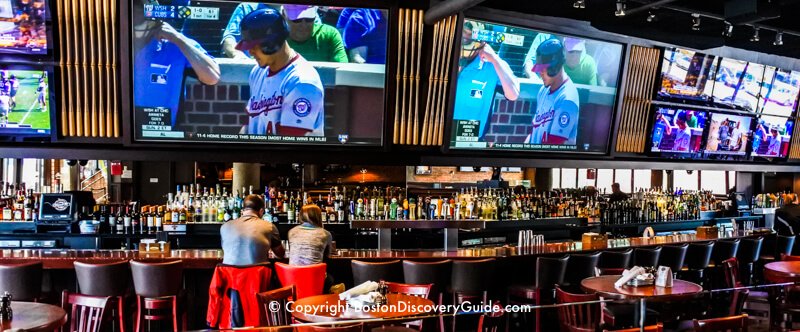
[
  {"x": 583, "y": 317},
  {"x": 652, "y": 328},
  {"x": 492, "y": 321},
  {"x": 413, "y": 290},
  {"x": 724, "y": 324},
  {"x": 282, "y": 296},
  {"x": 85, "y": 312},
  {"x": 350, "y": 328},
  {"x": 730, "y": 268}
]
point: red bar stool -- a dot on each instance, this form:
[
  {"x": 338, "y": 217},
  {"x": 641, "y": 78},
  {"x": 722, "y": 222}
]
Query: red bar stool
[
  {"x": 106, "y": 280},
  {"x": 158, "y": 289},
  {"x": 308, "y": 280},
  {"x": 23, "y": 281}
]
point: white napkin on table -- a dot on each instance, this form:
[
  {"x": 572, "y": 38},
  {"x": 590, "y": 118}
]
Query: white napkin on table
[
  {"x": 627, "y": 275},
  {"x": 366, "y": 287}
]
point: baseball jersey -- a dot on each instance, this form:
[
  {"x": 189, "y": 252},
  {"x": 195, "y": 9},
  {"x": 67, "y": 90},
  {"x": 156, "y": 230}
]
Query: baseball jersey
[
  {"x": 556, "y": 114},
  {"x": 475, "y": 92},
  {"x": 292, "y": 97},
  {"x": 5, "y": 104},
  {"x": 774, "y": 146},
  {"x": 683, "y": 138}
]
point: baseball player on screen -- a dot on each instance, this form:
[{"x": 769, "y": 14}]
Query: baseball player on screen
[
  {"x": 555, "y": 120},
  {"x": 286, "y": 93}
]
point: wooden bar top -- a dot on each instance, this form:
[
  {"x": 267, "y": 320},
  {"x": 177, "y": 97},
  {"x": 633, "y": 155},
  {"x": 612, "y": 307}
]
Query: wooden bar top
[{"x": 209, "y": 258}]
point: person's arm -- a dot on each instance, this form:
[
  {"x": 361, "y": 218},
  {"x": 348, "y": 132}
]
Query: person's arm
[
  {"x": 358, "y": 54},
  {"x": 328, "y": 247},
  {"x": 593, "y": 69},
  {"x": 204, "y": 66},
  {"x": 275, "y": 242},
  {"x": 232, "y": 33},
  {"x": 229, "y": 49},
  {"x": 509, "y": 82},
  {"x": 667, "y": 126}
]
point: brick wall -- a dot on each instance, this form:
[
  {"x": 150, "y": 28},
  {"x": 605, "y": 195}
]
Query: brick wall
[
  {"x": 442, "y": 174},
  {"x": 220, "y": 109},
  {"x": 510, "y": 122}
]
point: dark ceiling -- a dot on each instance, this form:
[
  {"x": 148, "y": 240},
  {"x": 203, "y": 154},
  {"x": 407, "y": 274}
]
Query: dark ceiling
[{"x": 673, "y": 24}]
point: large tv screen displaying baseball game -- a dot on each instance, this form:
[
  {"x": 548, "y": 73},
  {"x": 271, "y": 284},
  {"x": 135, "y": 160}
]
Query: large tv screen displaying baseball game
[
  {"x": 728, "y": 134},
  {"x": 678, "y": 130},
  {"x": 248, "y": 72},
  {"x": 25, "y": 102},
  {"x": 771, "y": 136},
  {"x": 523, "y": 89},
  {"x": 687, "y": 74},
  {"x": 23, "y": 27},
  {"x": 779, "y": 92},
  {"x": 738, "y": 84}
]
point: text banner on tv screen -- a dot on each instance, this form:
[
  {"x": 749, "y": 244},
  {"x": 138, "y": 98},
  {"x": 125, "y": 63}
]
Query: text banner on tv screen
[
  {"x": 225, "y": 71},
  {"x": 529, "y": 90}
]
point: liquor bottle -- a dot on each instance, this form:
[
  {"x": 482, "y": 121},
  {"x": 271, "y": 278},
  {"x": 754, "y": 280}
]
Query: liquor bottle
[
  {"x": 290, "y": 210},
  {"x": 150, "y": 219},
  {"x": 112, "y": 221},
  {"x": 127, "y": 221}
]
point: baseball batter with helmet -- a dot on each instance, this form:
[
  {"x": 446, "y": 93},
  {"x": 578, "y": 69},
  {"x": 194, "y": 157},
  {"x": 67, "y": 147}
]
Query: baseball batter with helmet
[
  {"x": 286, "y": 93},
  {"x": 555, "y": 120}
]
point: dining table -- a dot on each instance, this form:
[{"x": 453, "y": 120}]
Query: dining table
[
  {"x": 330, "y": 308},
  {"x": 782, "y": 271},
  {"x": 34, "y": 317},
  {"x": 604, "y": 287}
]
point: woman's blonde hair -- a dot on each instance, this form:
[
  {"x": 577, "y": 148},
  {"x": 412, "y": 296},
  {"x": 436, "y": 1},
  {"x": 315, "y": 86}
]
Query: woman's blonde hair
[{"x": 311, "y": 214}]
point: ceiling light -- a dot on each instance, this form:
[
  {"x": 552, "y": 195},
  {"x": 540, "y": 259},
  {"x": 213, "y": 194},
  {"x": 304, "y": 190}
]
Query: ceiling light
[
  {"x": 696, "y": 22},
  {"x": 778, "y": 39},
  {"x": 620, "y": 8},
  {"x": 651, "y": 17},
  {"x": 755, "y": 37},
  {"x": 728, "y": 30},
  {"x": 580, "y": 4}
]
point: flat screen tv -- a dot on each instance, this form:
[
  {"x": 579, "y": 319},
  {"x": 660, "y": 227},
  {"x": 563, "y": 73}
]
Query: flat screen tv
[
  {"x": 737, "y": 84},
  {"x": 677, "y": 130},
  {"x": 26, "y": 101},
  {"x": 728, "y": 134},
  {"x": 24, "y": 27},
  {"x": 779, "y": 92},
  {"x": 530, "y": 90},
  {"x": 771, "y": 136},
  {"x": 247, "y": 72},
  {"x": 687, "y": 74}
]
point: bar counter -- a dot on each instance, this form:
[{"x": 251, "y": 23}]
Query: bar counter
[{"x": 209, "y": 258}]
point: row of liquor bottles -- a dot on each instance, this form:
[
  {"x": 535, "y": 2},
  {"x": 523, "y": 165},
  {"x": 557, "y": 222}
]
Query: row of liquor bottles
[
  {"x": 648, "y": 206},
  {"x": 17, "y": 203}
]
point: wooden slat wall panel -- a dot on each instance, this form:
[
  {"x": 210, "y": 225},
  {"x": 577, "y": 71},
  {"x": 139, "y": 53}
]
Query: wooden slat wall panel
[
  {"x": 632, "y": 133},
  {"x": 413, "y": 124},
  {"x": 794, "y": 148},
  {"x": 89, "y": 87}
]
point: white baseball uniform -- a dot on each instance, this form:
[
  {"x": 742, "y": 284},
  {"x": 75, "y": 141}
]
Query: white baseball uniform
[
  {"x": 290, "y": 98},
  {"x": 683, "y": 139},
  {"x": 774, "y": 148},
  {"x": 556, "y": 114}
]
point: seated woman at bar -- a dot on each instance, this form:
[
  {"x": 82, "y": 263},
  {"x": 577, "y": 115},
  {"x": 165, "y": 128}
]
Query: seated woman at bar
[
  {"x": 309, "y": 243},
  {"x": 248, "y": 240}
]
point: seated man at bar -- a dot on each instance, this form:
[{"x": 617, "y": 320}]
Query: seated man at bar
[
  {"x": 616, "y": 194},
  {"x": 787, "y": 218},
  {"x": 248, "y": 240}
]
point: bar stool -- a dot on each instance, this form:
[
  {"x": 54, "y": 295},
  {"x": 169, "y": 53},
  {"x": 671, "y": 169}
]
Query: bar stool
[
  {"x": 436, "y": 273},
  {"x": 106, "y": 280},
  {"x": 23, "y": 281},
  {"x": 579, "y": 267},
  {"x": 698, "y": 257},
  {"x": 158, "y": 288},
  {"x": 376, "y": 271},
  {"x": 774, "y": 246},
  {"x": 749, "y": 251},
  {"x": 471, "y": 280},
  {"x": 646, "y": 256},
  {"x": 308, "y": 280},
  {"x": 549, "y": 273},
  {"x": 673, "y": 257},
  {"x": 613, "y": 262},
  {"x": 723, "y": 250}
]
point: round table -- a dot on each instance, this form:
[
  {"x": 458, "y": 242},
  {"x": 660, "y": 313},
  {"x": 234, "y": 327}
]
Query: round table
[
  {"x": 604, "y": 286},
  {"x": 31, "y": 316},
  {"x": 330, "y": 308},
  {"x": 783, "y": 271}
]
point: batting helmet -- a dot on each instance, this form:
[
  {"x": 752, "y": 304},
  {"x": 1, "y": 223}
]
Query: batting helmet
[
  {"x": 265, "y": 28},
  {"x": 550, "y": 56}
]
